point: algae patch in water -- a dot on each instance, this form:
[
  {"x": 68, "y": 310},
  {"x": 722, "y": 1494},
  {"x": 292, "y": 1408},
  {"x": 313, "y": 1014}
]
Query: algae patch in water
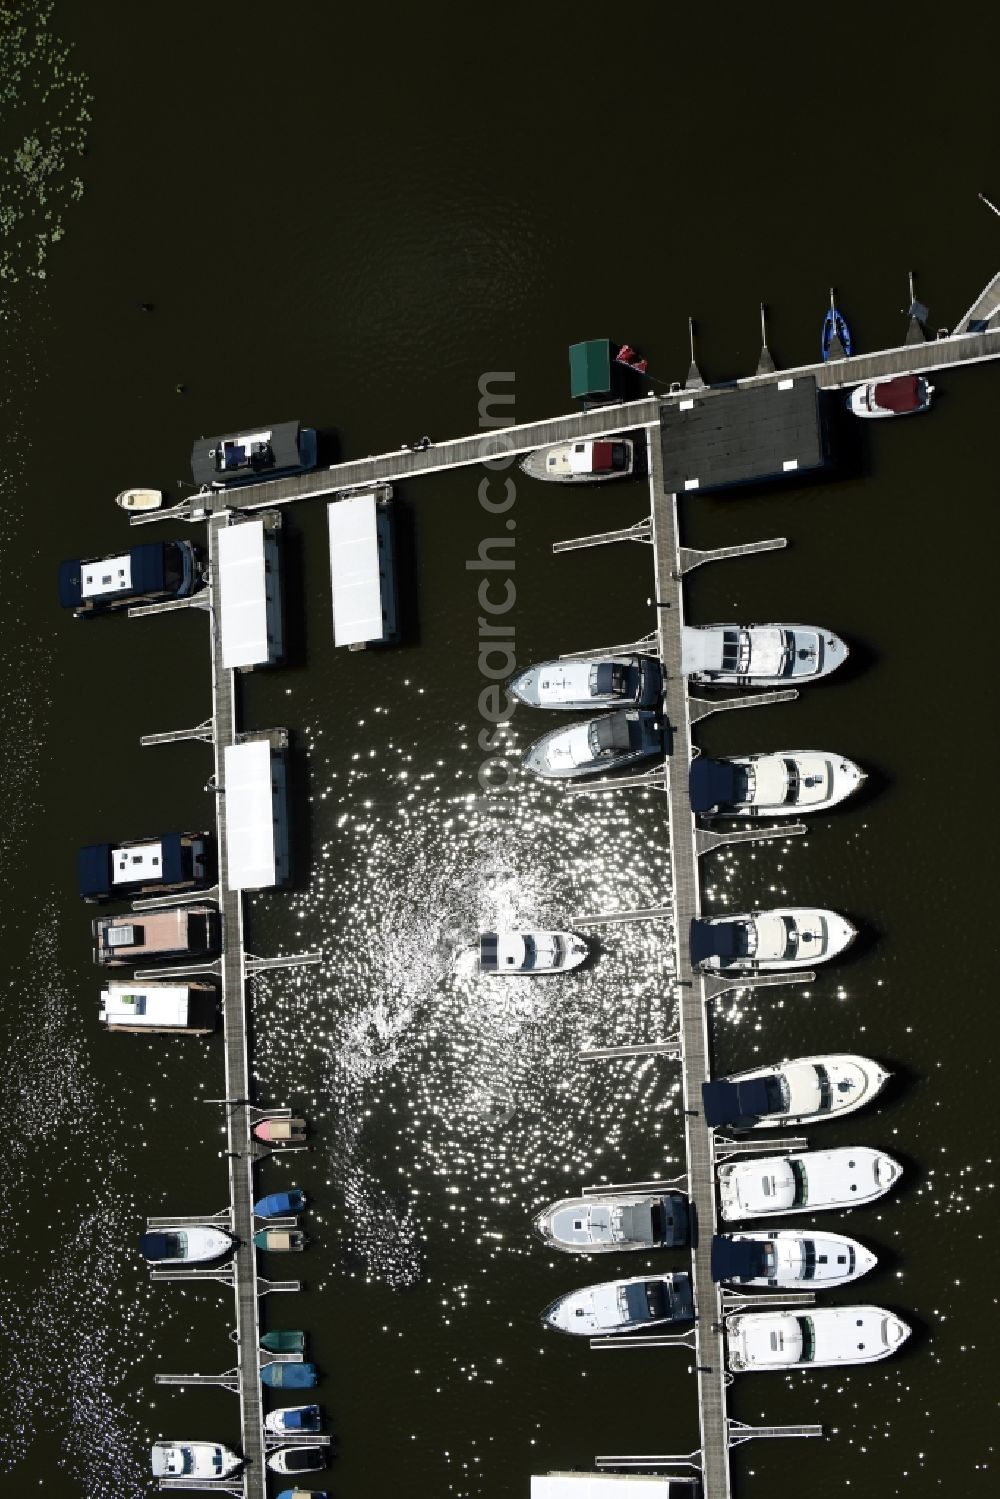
[{"x": 44, "y": 114}]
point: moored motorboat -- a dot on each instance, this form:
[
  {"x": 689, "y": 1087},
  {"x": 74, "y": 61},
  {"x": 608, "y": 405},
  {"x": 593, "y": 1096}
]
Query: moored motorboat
[
  {"x": 784, "y": 783},
  {"x": 298, "y": 1459},
  {"x": 769, "y": 941},
  {"x": 599, "y": 744},
  {"x": 280, "y": 1204},
  {"x": 575, "y": 683},
  {"x": 140, "y": 499},
  {"x": 193, "y": 1460},
  {"x": 587, "y": 461},
  {"x": 185, "y": 1246},
  {"x": 280, "y": 1132},
  {"x": 294, "y": 1418},
  {"x": 615, "y": 1222},
  {"x": 785, "y": 1258},
  {"x": 812, "y": 1340},
  {"x": 905, "y": 395},
  {"x": 771, "y": 655},
  {"x": 280, "y": 1240},
  {"x": 618, "y": 1306},
  {"x": 801, "y": 1091},
  {"x": 804, "y": 1181},
  {"x": 148, "y": 574},
  {"x": 254, "y": 455},
  {"x": 289, "y": 1376},
  {"x": 303, "y": 1494},
  {"x": 534, "y": 951},
  {"x": 283, "y": 1339}
]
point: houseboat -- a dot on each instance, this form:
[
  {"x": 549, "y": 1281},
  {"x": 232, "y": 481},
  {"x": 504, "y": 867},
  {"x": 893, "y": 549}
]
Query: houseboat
[
  {"x": 732, "y": 655},
  {"x": 608, "y": 682},
  {"x": 802, "y": 1091},
  {"x": 270, "y": 451},
  {"x": 785, "y": 783},
  {"x": 361, "y": 532},
  {"x": 163, "y": 1008},
  {"x": 615, "y": 1222},
  {"x": 584, "y": 462},
  {"x": 157, "y": 936},
  {"x": 804, "y": 1181},
  {"x": 812, "y": 1340},
  {"x": 598, "y": 744},
  {"x": 785, "y": 1260},
  {"x": 533, "y": 952},
  {"x": 618, "y": 1306},
  {"x": 145, "y": 866},
  {"x": 769, "y": 941},
  {"x": 147, "y": 574}
]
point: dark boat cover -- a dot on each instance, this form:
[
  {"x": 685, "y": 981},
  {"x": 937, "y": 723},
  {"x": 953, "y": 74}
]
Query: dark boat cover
[
  {"x": 735, "y": 1259},
  {"x": 602, "y": 458},
  {"x": 730, "y": 1103},
  {"x": 646, "y": 1302},
  {"x": 637, "y": 1223},
  {"x": 303, "y": 1420},
  {"x": 715, "y": 939},
  {"x": 155, "y": 1246},
  {"x": 604, "y": 678},
  {"x": 899, "y": 395},
  {"x": 94, "y": 869},
  {"x": 612, "y": 733},
  {"x": 94, "y": 866},
  {"x": 289, "y": 1376},
  {"x": 713, "y": 783},
  {"x": 489, "y": 960}
]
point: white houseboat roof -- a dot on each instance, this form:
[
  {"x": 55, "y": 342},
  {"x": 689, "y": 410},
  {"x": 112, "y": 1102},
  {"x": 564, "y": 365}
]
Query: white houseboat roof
[
  {"x": 154, "y": 1005},
  {"x": 243, "y": 594},
  {"x": 609, "y": 1486},
  {"x": 140, "y": 861},
  {"x": 355, "y": 570},
  {"x": 251, "y": 852},
  {"x": 106, "y": 575}
]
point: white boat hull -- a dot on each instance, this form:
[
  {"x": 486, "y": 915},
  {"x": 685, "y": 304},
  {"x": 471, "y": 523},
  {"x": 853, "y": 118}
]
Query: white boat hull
[
  {"x": 813, "y": 1339},
  {"x": 769, "y": 655},
  {"x": 804, "y": 1181},
  {"x": 823, "y": 781},
  {"x": 853, "y": 1082},
  {"x": 809, "y": 1261},
  {"x": 820, "y": 936},
  {"x": 140, "y": 499}
]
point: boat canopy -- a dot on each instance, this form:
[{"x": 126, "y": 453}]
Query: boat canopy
[
  {"x": 361, "y": 570},
  {"x": 100, "y": 866},
  {"x": 727, "y": 1102},
  {"x": 299, "y": 1420},
  {"x": 611, "y": 734},
  {"x": 715, "y": 939},
  {"x": 157, "y": 1246},
  {"x": 899, "y": 395},
  {"x": 289, "y": 1376},
  {"x": 713, "y": 783},
  {"x": 590, "y": 368},
  {"x": 489, "y": 949},
  {"x": 244, "y": 588},
  {"x": 256, "y": 814},
  {"x": 738, "y": 1259}
]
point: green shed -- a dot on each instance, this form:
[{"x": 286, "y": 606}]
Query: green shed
[{"x": 590, "y": 366}]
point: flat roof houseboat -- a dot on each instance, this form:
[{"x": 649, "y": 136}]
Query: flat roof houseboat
[
  {"x": 167, "y": 1009},
  {"x": 157, "y": 936},
  {"x": 271, "y": 451},
  {"x": 362, "y": 533},
  {"x": 145, "y": 866},
  {"x": 147, "y": 574}
]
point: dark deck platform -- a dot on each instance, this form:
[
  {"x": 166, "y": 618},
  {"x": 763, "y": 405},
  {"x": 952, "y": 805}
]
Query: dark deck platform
[{"x": 714, "y": 438}]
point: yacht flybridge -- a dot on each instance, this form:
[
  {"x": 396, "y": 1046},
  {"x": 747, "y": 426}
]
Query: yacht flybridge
[
  {"x": 619, "y": 1221},
  {"x": 731, "y": 655},
  {"x": 531, "y": 952},
  {"x": 783, "y": 784},
  {"x": 609, "y": 682},
  {"x": 599, "y": 744},
  {"x": 804, "y": 1181},
  {"x": 618, "y": 1306},
  {"x": 582, "y": 462},
  {"x": 769, "y": 941},
  {"x": 785, "y": 1259},
  {"x": 801, "y": 1091},
  {"x": 823, "y": 1336}
]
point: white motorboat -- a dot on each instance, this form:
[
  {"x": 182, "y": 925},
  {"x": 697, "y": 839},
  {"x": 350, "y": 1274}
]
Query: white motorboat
[
  {"x": 804, "y": 1181},
  {"x": 905, "y": 395},
  {"x": 769, "y": 941},
  {"x": 298, "y": 1459},
  {"x": 619, "y": 1221},
  {"x": 732, "y": 655},
  {"x": 294, "y": 1418},
  {"x": 611, "y": 682},
  {"x": 140, "y": 499},
  {"x": 598, "y": 744},
  {"x": 185, "y": 1246},
  {"x": 786, "y": 1259},
  {"x": 618, "y": 1306},
  {"x": 530, "y": 952},
  {"x": 193, "y": 1460},
  {"x": 583, "y": 462},
  {"x": 814, "y": 1339},
  {"x": 785, "y": 783},
  {"x": 801, "y": 1091}
]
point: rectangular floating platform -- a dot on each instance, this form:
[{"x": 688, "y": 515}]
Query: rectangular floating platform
[{"x": 715, "y": 438}]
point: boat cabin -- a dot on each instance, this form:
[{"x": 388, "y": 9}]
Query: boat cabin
[
  {"x": 155, "y": 1007},
  {"x": 172, "y": 862},
  {"x": 362, "y": 570},
  {"x": 148, "y": 574},
  {"x": 153, "y": 936},
  {"x": 254, "y": 455}
]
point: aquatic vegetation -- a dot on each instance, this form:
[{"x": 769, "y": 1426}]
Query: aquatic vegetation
[{"x": 44, "y": 114}]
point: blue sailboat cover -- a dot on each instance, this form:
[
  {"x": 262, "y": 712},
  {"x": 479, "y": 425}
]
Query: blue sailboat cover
[
  {"x": 712, "y": 783},
  {"x": 729, "y": 1103},
  {"x": 738, "y": 1259}
]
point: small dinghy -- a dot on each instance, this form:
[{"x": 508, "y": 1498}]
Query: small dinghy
[
  {"x": 786, "y": 1259},
  {"x": 531, "y": 952},
  {"x": 185, "y": 1246},
  {"x": 618, "y": 1306},
  {"x": 283, "y": 1340},
  {"x": 294, "y": 1418},
  {"x": 825, "y": 1335},
  {"x": 280, "y": 1204},
  {"x": 835, "y": 339},
  {"x": 280, "y": 1240},
  {"x": 289, "y": 1376},
  {"x": 278, "y": 1132},
  {"x": 140, "y": 499}
]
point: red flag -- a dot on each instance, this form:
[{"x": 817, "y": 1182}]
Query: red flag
[
  {"x": 625, "y": 354},
  {"x": 640, "y": 366}
]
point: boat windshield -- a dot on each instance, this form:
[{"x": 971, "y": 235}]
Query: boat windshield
[
  {"x": 801, "y": 1180},
  {"x": 808, "y": 1332},
  {"x": 731, "y": 640},
  {"x": 825, "y": 1089},
  {"x": 808, "y": 1259},
  {"x": 176, "y": 1246},
  {"x": 777, "y": 1094},
  {"x": 792, "y": 788}
]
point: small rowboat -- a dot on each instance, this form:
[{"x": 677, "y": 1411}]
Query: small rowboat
[
  {"x": 835, "y": 333},
  {"x": 283, "y": 1340},
  {"x": 140, "y": 499},
  {"x": 280, "y": 1131},
  {"x": 280, "y": 1240}
]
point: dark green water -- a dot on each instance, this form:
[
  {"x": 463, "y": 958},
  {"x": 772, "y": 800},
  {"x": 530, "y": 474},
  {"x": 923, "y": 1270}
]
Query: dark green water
[{"x": 351, "y": 221}]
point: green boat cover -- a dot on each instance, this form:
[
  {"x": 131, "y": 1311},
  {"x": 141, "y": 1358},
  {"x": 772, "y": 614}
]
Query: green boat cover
[
  {"x": 284, "y": 1340},
  {"x": 590, "y": 368}
]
